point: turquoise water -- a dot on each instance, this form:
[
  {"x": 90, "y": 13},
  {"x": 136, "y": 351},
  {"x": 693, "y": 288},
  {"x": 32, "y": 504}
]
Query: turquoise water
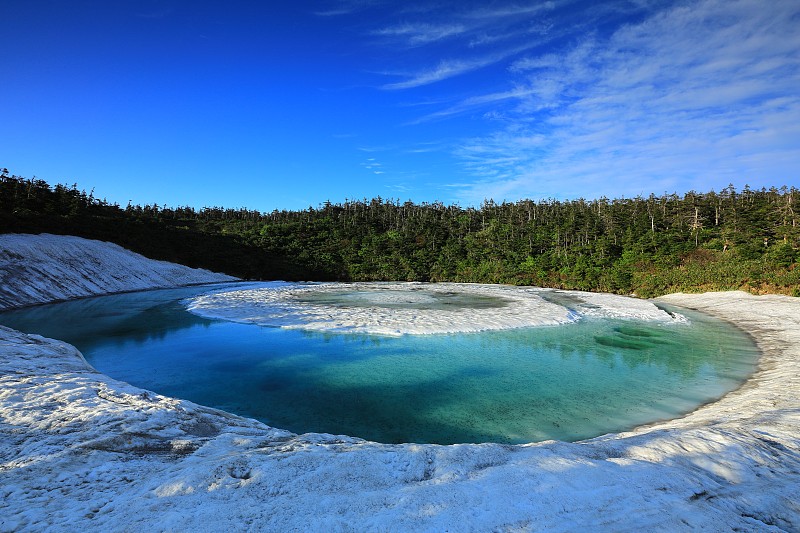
[{"x": 568, "y": 382}]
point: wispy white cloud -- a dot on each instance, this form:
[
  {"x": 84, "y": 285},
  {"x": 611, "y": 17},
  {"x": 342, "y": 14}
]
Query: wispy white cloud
[
  {"x": 346, "y": 7},
  {"x": 477, "y": 38},
  {"x": 376, "y": 148},
  {"x": 400, "y": 188},
  {"x": 473, "y": 102},
  {"x": 445, "y": 69},
  {"x": 417, "y": 34},
  {"x": 509, "y": 11},
  {"x": 481, "y": 27},
  {"x": 373, "y": 165},
  {"x": 683, "y": 94},
  {"x": 492, "y": 36},
  {"x": 454, "y": 67},
  {"x": 427, "y": 147},
  {"x": 695, "y": 96}
]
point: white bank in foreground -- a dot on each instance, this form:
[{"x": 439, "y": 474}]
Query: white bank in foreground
[{"x": 79, "y": 450}]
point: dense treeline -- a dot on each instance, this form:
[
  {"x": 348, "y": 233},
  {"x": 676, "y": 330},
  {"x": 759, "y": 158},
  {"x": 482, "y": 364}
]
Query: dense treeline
[{"x": 746, "y": 239}]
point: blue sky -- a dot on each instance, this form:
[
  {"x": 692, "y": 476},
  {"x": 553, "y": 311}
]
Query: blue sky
[{"x": 288, "y": 105}]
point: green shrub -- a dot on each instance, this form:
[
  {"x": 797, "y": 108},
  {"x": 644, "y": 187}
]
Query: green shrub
[
  {"x": 782, "y": 255},
  {"x": 748, "y": 251}
]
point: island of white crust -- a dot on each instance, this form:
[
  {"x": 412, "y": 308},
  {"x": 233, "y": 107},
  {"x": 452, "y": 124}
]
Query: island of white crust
[{"x": 81, "y": 451}]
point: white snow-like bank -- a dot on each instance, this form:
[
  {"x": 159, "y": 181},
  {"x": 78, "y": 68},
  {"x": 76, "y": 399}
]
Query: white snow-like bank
[
  {"x": 416, "y": 308},
  {"x": 79, "y": 450},
  {"x": 43, "y": 268}
]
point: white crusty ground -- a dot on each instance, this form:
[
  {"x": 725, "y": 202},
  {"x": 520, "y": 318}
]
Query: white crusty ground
[
  {"x": 81, "y": 451},
  {"x": 280, "y": 304},
  {"x": 43, "y": 268}
]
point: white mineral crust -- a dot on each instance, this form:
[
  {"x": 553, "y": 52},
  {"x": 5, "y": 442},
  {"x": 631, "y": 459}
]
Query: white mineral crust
[
  {"x": 80, "y": 451},
  {"x": 44, "y": 268},
  {"x": 291, "y": 305}
]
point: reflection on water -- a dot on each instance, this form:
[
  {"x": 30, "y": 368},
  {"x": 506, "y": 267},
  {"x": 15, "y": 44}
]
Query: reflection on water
[
  {"x": 136, "y": 316},
  {"x": 569, "y": 382}
]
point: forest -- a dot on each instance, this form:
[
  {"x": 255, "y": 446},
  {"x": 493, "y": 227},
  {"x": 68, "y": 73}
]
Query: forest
[{"x": 647, "y": 246}]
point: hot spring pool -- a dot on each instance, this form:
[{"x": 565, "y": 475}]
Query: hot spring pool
[{"x": 409, "y": 362}]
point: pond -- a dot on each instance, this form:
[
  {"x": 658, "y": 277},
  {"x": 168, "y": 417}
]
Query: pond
[{"x": 315, "y": 358}]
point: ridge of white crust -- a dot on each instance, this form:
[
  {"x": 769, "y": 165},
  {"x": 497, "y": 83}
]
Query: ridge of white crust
[{"x": 399, "y": 308}]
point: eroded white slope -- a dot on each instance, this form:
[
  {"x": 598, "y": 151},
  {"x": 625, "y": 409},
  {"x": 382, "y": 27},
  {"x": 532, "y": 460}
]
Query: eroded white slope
[
  {"x": 43, "y": 268},
  {"x": 81, "y": 451}
]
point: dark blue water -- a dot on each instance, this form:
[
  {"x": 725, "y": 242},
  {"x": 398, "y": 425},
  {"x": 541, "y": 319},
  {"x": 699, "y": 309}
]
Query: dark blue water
[{"x": 568, "y": 382}]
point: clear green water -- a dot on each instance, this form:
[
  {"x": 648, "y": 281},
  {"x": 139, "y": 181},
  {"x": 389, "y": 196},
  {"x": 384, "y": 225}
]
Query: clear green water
[{"x": 568, "y": 382}]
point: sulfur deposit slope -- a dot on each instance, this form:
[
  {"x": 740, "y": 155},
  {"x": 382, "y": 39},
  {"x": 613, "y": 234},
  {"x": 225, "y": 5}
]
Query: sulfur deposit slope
[{"x": 43, "y": 268}]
